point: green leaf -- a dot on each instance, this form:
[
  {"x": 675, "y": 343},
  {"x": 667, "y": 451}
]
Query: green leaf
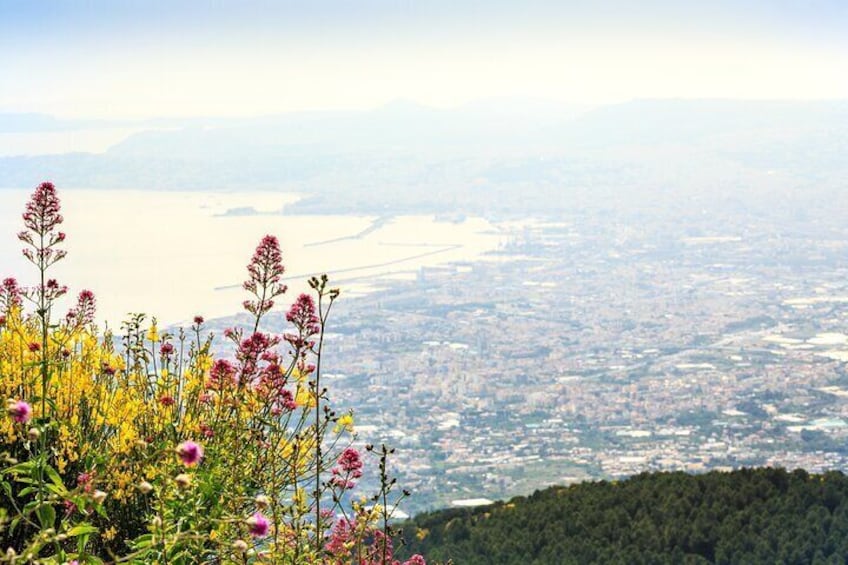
[
  {"x": 46, "y": 515},
  {"x": 143, "y": 541},
  {"x": 81, "y": 529},
  {"x": 54, "y": 476},
  {"x": 24, "y": 492}
]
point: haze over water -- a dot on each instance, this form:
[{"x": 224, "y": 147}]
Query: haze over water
[{"x": 177, "y": 254}]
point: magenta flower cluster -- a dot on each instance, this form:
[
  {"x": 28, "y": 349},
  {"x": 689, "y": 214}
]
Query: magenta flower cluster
[
  {"x": 19, "y": 410},
  {"x": 190, "y": 453}
]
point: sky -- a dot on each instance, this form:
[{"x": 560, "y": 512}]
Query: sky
[{"x": 175, "y": 58}]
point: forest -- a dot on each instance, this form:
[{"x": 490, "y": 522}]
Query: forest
[{"x": 762, "y": 515}]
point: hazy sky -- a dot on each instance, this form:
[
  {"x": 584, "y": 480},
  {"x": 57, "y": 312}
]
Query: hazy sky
[{"x": 116, "y": 58}]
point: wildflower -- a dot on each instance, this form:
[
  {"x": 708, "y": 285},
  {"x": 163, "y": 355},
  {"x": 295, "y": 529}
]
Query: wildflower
[
  {"x": 190, "y": 453},
  {"x": 86, "y": 307},
  {"x": 416, "y": 559},
  {"x": 34, "y": 346},
  {"x": 258, "y": 525},
  {"x": 145, "y": 487},
  {"x": 350, "y": 461},
  {"x": 265, "y": 271},
  {"x": 153, "y": 333},
  {"x": 42, "y": 210},
  {"x": 221, "y": 375},
  {"x": 166, "y": 400},
  {"x": 198, "y": 320},
  {"x": 183, "y": 480},
  {"x": 33, "y": 434},
  {"x": 99, "y": 496},
  {"x": 166, "y": 349},
  {"x": 345, "y": 423},
  {"x": 302, "y": 314},
  {"x": 262, "y": 501},
  {"x": 19, "y": 410},
  {"x": 52, "y": 290},
  {"x": 10, "y": 294},
  {"x": 240, "y": 546},
  {"x": 251, "y": 350},
  {"x": 350, "y": 467}
]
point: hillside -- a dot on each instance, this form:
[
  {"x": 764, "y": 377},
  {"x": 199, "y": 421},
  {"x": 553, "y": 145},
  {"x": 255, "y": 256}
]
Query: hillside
[{"x": 747, "y": 516}]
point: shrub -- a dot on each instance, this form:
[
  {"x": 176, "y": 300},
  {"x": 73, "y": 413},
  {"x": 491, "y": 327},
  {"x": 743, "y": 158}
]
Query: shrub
[{"x": 148, "y": 448}]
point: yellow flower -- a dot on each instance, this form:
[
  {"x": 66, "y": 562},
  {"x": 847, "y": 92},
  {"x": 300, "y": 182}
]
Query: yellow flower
[
  {"x": 304, "y": 397},
  {"x": 153, "y": 333},
  {"x": 344, "y": 423},
  {"x": 299, "y": 500}
]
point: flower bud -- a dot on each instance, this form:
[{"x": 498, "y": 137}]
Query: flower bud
[
  {"x": 183, "y": 480},
  {"x": 240, "y": 546},
  {"x": 99, "y": 496},
  {"x": 145, "y": 487},
  {"x": 33, "y": 434},
  {"x": 262, "y": 501}
]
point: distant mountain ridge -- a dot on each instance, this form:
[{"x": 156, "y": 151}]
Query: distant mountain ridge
[{"x": 407, "y": 157}]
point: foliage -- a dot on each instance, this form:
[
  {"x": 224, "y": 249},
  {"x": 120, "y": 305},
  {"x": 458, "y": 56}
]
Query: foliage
[
  {"x": 747, "y": 516},
  {"x": 146, "y": 448}
]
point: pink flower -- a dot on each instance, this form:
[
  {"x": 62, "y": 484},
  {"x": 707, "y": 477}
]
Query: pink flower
[
  {"x": 350, "y": 461},
  {"x": 41, "y": 218},
  {"x": 10, "y": 294},
  {"x": 83, "y": 313},
  {"x": 190, "y": 453},
  {"x": 34, "y": 346},
  {"x": 207, "y": 431},
  {"x": 338, "y": 541},
  {"x": 86, "y": 307},
  {"x": 350, "y": 467},
  {"x": 42, "y": 210},
  {"x": 19, "y": 410},
  {"x": 415, "y": 560},
  {"x": 221, "y": 375},
  {"x": 265, "y": 271},
  {"x": 302, "y": 315},
  {"x": 258, "y": 525}
]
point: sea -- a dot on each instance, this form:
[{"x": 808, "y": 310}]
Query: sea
[{"x": 175, "y": 255}]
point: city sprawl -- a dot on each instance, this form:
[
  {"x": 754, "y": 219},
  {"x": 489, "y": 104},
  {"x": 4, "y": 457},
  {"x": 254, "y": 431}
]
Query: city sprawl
[{"x": 590, "y": 349}]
